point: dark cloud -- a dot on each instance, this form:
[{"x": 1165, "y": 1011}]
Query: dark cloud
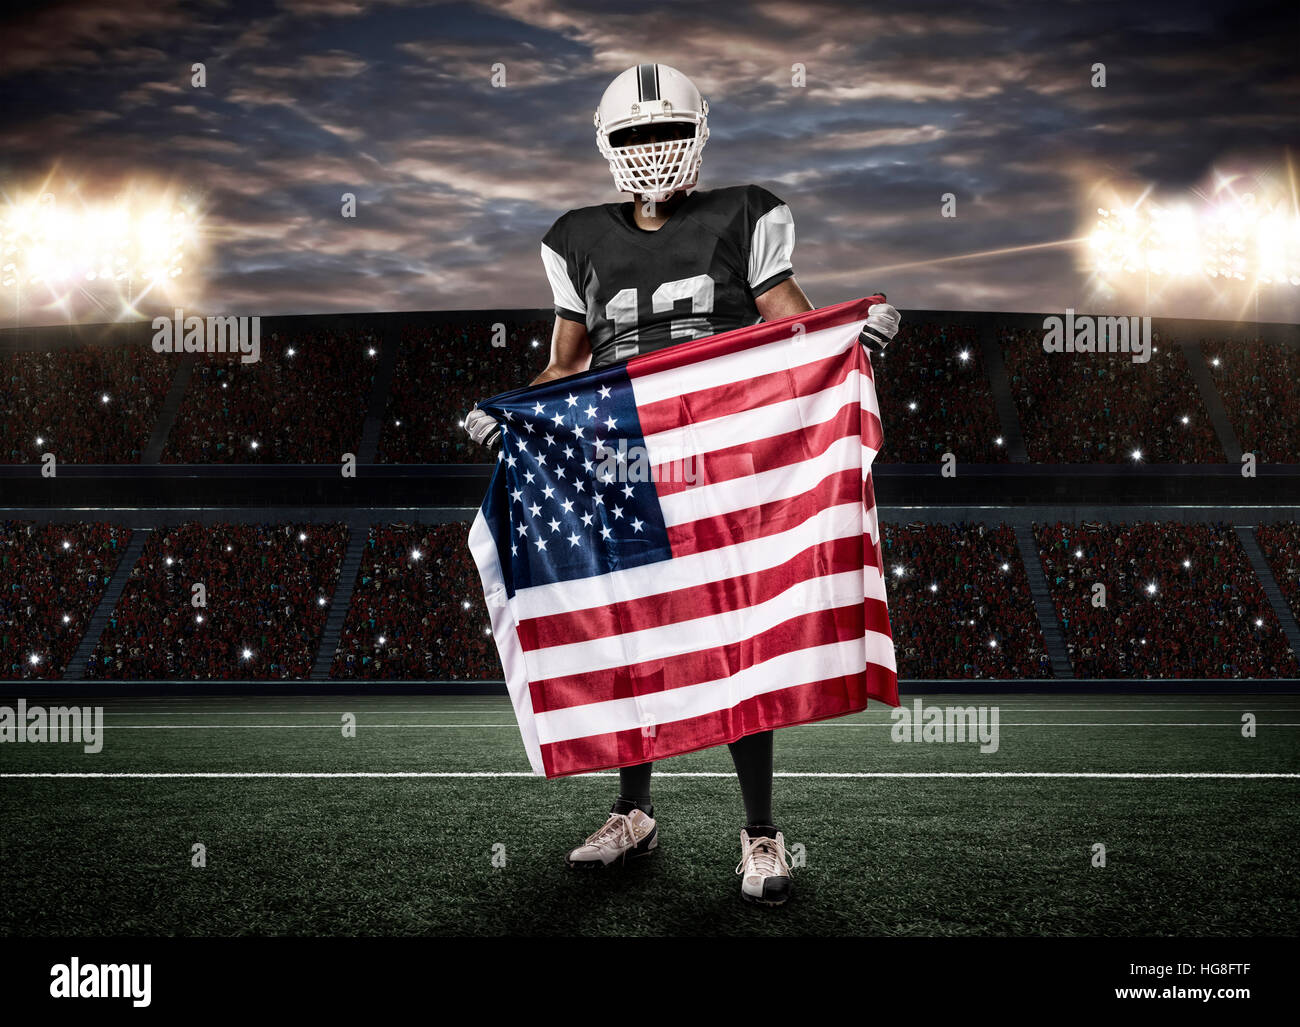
[{"x": 456, "y": 180}]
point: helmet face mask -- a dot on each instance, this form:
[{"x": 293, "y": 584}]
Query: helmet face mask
[{"x": 651, "y": 126}]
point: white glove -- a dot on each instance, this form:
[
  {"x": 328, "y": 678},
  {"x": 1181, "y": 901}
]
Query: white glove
[
  {"x": 480, "y": 426},
  {"x": 882, "y": 325}
]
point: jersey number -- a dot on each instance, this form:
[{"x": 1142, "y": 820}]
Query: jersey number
[{"x": 622, "y": 310}]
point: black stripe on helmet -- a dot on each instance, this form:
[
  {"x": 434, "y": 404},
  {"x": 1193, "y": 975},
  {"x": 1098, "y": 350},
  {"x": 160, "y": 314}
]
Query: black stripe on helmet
[{"x": 647, "y": 81}]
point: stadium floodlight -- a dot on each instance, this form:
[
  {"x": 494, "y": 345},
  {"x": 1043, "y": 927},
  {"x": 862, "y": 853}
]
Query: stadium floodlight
[
  {"x": 1233, "y": 238},
  {"x": 57, "y": 244}
]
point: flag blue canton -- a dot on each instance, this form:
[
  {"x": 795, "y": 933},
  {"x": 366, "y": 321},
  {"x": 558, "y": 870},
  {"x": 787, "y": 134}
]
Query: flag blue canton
[{"x": 564, "y": 501}]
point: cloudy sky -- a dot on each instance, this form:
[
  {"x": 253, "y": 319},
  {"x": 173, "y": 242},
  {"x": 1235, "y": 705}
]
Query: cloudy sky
[{"x": 457, "y": 180}]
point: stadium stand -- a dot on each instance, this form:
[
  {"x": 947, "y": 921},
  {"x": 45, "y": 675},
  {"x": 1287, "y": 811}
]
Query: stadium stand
[
  {"x": 417, "y": 609},
  {"x": 959, "y": 603},
  {"x": 51, "y": 579},
  {"x": 303, "y": 402},
  {"x": 1281, "y": 547},
  {"x": 935, "y": 398},
  {"x": 268, "y": 590},
  {"x": 1181, "y": 601},
  {"x": 1103, "y": 407},
  {"x": 86, "y": 405},
  {"x": 442, "y": 372},
  {"x": 1258, "y": 381},
  {"x": 422, "y": 619}
]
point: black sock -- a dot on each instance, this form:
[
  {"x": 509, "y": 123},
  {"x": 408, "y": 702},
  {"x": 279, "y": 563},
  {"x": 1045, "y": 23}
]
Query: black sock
[
  {"x": 752, "y": 756},
  {"x": 634, "y": 789}
]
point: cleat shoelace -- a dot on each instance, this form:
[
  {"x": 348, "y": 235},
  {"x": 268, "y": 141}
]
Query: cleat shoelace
[
  {"x": 766, "y": 857},
  {"x": 617, "y": 829}
]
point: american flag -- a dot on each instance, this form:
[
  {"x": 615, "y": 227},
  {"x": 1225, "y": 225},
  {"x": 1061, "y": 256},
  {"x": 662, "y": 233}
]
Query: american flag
[{"x": 683, "y": 549}]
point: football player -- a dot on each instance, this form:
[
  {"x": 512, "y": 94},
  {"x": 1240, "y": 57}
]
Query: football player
[{"x": 671, "y": 265}]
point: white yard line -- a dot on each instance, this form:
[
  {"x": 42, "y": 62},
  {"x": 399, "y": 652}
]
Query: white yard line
[
  {"x": 109, "y": 712},
  {"x": 1199, "y": 775},
  {"x": 793, "y": 727}
]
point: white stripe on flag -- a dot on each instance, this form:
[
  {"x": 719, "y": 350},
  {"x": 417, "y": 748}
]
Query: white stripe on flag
[
  {"x": 779, "y": 355},
  {"x": 752, "y": 490},
  {"x": 801, "y": 667},
  {"x": 828, "y": 592},
  {"x": 504, "y": 632},
  {"x": 753, "y": 556},
  {"x": 764, "y": 422}
]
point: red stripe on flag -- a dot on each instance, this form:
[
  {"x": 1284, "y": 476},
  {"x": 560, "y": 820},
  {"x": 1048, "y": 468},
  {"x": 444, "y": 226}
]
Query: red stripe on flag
[
  {"x": 739, "y": 397},
  {"x": 745, "y": 458},
  {"x": 765, "y": 519},
  {"x": 832, "y": 556},
  {"x": 799, "y": 704},
  {"x": 686, "y": 353},
  {"x": 819, "y": 627}
]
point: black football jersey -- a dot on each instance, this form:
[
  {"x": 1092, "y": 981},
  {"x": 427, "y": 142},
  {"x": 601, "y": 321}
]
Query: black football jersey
[{"x": 696, "y": 275}]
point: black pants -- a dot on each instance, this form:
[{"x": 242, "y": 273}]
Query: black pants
[{"x": 752, "y": 756}]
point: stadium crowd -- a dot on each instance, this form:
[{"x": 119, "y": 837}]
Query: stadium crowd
[
  {"x": 935, "y": 397},
  {"x": 86, "y": 405},
  {"x": 959, "y": 603},
  {"x": 1280, "y": 544},
  {"x": 442, "y": 372},
  {"x": 52, "y": 577},
  {"x": 268, "y": 589},
  {"x": 1181, "y": 601},
  {"x": 1258, "y": 382},
  {"x": 303, "y": 402},
  {"x": 417, "y": 609},
  {"x": 1079, "y": 408}
]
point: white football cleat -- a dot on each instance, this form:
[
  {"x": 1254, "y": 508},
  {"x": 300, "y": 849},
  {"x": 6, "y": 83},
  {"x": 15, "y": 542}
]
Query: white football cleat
[
  {"x": 625, "y": 836},
  {"x": 765, "y": 869}
]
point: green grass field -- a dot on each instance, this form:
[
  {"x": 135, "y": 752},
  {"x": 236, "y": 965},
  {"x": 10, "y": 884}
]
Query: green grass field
[{"x": 904, "y": 855}]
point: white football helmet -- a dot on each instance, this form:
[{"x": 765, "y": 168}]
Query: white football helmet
[{"x": 652, "y": 94}]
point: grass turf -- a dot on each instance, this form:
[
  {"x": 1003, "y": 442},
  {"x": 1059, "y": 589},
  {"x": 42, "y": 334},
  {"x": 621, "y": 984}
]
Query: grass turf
[{"x": 901, "y": 856}]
